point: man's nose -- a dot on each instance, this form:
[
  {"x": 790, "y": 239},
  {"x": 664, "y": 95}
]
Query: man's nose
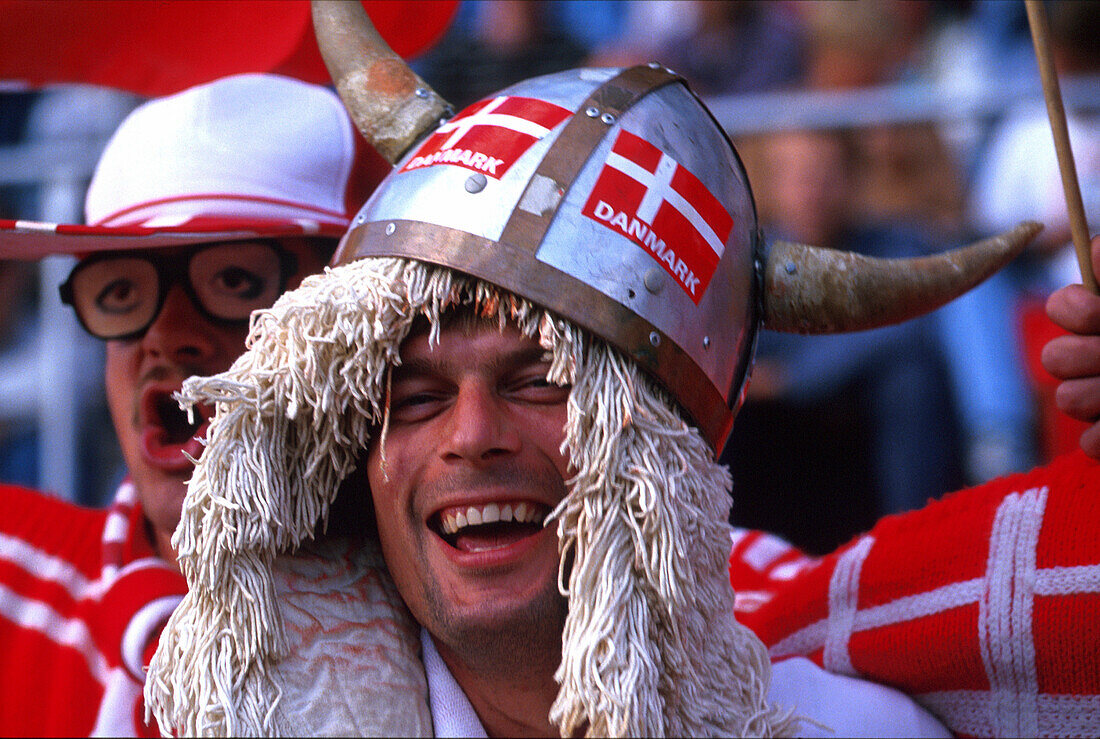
[
  {"x": 179, "y": 332},
  {"x": 480, "y": 428}
]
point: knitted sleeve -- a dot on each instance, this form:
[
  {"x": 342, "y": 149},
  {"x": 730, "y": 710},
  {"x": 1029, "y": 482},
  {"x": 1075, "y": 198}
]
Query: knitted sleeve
[{"x": 983, "y": 606}]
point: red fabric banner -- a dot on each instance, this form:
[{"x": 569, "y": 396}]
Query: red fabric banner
[{"x": 159, "y": 47}]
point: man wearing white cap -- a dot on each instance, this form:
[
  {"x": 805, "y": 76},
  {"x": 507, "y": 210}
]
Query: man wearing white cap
[{"x": 204, "y": 206}]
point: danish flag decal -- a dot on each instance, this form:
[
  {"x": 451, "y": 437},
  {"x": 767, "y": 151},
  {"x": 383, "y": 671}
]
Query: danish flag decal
[
  {"x": 654, "y": 201},
  {"x": 490, "y": 135}
]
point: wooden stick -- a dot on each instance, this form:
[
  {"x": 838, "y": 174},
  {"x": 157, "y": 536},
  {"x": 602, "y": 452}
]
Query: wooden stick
[{"x": 1040, "y": 36}]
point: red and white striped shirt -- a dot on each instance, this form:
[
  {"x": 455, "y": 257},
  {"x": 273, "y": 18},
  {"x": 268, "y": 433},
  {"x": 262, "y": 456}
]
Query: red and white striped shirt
[{"x": 83, "y": 598}]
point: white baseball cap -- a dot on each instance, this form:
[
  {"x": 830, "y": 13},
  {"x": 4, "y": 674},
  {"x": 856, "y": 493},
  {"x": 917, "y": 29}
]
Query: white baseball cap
[{"x": 247, "y": 156}]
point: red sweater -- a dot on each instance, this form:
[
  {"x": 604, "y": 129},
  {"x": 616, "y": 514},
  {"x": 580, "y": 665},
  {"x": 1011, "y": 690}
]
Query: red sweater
[
  {"x": 983, "y": 606},
  {"x": 82, "y": 598}
]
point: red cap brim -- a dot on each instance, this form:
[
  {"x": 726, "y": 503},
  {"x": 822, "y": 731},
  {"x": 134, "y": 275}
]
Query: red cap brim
[{"x": 33, "y": 240}]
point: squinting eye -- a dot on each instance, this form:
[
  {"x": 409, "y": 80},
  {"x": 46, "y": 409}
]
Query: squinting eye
[
  {"x": 238, "y": 282},
  {"x": 537, "y": 389},
  {"x": 413, "y": 407},
  {"x": 119, "y": 296}
]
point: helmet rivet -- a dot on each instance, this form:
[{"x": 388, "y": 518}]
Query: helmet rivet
[
  {"x": 791, "y": 269},
  {"x": 476, "y": 182},
  {"x": 654, "y": 338},
  {"x": 592, "y": 112},
  {"x": 607, "y": 118},
  {"x": 653, "y": 280},
  {"x": 360, "y": 218},
  {"x": 390, "y": 228},
  {"x": 422, "y": 92},
  {"x": 706, "y": 342}
]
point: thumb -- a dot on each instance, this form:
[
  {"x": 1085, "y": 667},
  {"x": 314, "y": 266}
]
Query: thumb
[{"x": 1094, "y": 252}]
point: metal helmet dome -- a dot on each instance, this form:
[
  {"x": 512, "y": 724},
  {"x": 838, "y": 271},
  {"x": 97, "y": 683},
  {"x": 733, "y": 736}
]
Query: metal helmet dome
[
  {"x": 609, "y": 197},
  {"x": 613, "y": 198}
]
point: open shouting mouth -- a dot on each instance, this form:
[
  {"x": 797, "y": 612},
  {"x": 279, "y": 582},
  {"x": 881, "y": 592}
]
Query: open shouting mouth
[{"x": 170, "y": 439}]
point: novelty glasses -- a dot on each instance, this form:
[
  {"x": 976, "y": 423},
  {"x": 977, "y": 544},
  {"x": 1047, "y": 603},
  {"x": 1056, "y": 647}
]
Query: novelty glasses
[{"x": 118, "y": 295}]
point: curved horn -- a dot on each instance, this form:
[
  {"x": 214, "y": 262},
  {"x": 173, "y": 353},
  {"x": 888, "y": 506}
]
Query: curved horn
[
  {"x": 390, "y": 104},
  {"x": 810, "y": 290}
]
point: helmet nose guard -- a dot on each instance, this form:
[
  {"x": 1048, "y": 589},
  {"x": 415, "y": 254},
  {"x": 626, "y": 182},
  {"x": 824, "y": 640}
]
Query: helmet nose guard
[{"x": 611, "y": 198}]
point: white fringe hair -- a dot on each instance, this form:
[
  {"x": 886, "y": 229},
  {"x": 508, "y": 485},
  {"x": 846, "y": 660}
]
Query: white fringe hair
[{"x": 650, "y": 646}]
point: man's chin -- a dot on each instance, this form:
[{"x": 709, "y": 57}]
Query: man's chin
[
  {"x": 524, "y": 632},
  {"x": 161, "y": 494},
  {"x": 505, "y": 610}
]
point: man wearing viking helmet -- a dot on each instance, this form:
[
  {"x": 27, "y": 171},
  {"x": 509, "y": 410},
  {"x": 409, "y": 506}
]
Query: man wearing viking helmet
[{"x": 530, "y": 345}]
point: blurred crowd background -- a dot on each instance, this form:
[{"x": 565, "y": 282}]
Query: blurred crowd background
[{"x": 887, "y": 127}]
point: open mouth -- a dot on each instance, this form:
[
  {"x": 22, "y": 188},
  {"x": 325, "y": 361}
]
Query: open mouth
[
  {"x": 173, "y": 421},
  {"x": 488, "y": 526},
  {"x": 169, "y": 433}
]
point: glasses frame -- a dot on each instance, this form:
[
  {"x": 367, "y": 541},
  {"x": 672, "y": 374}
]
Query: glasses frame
[{"x": 174, "y": 269}]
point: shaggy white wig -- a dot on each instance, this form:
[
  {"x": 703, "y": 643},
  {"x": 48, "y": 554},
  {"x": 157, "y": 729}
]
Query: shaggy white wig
[{"x": 650, "y": 645}]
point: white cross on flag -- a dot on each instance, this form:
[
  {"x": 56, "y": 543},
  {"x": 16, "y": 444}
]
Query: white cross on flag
[
  {"x": 490, "y": 135},
  {"x": 654, "y": 201}
]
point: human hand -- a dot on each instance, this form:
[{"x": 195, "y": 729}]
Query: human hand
[{"x": 1075, "y": 359}]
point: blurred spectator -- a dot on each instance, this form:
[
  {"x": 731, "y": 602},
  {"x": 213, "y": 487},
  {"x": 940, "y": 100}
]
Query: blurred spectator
[
  {"x": 18, "y": 441},
  {"x": 1018, "y": 177},
  {"x": 908, "y": 173},
  {"x": 970, "y": 47},
  {"x": 721, "y": 47},
  {"x": 848, "y": 426},
  {"x": 1019, "y": 174},
  {"x": 493, "y": 44},
  {"x": 644, "y": 28},
  {"x": 857, "y": 43},
  {"x": 76, "y": 120}
]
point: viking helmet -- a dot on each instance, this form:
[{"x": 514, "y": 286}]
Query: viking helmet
[{"x": 613, "y": 198}]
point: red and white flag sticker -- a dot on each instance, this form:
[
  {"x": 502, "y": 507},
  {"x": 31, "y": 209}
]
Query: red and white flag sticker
[
  {"x": 654, "y": 201},
  {"x": 490, "y": 135}
]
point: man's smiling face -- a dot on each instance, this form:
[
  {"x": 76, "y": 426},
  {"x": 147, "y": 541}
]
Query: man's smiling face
[{"x": 470, "y": 468}]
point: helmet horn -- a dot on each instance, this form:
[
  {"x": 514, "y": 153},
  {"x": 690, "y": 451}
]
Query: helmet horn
[
  {"x": 806, "y": 289},
  {"x": 390, "y": 104},
  {"x": 810, "y": 290}
]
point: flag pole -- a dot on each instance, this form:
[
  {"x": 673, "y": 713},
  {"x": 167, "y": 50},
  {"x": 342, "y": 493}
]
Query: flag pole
[{"x": 1040, "y": 36}]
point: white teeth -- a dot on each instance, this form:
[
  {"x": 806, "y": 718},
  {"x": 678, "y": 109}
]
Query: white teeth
[
  {"x": 452, "y": 523},
  {"x": 490, "y": 514}
]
